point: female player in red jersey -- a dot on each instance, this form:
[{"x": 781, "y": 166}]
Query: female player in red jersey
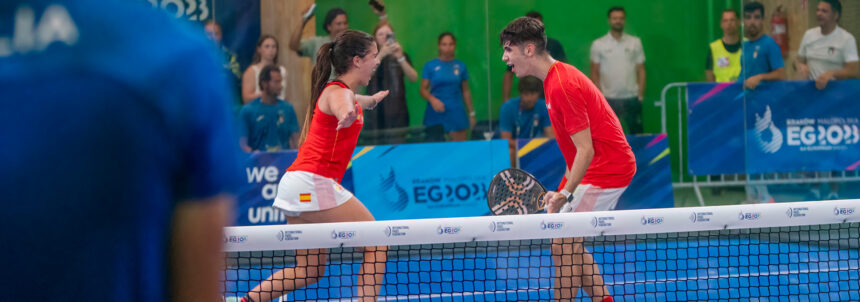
[{"x": 309, "y": 192}]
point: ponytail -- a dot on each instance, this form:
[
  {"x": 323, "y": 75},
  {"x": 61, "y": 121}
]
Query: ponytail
[
  {"x": 336, "y": 55},
  {"x": 319, "y": 78}
]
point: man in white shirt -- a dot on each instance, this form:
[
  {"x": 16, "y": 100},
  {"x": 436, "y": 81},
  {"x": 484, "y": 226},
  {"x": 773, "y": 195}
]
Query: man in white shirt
[
  {"x": 618, "y": 69},
  {"x": 828, "y": 52}
]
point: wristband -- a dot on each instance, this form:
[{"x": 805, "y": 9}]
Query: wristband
[
  {"x": 566, "y": 194},
  {"x": 401, "y": 59},
  {"x": 472, "y": 113}
]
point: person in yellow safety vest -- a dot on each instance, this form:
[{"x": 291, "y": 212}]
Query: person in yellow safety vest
[{"x": 724, "y": 55}]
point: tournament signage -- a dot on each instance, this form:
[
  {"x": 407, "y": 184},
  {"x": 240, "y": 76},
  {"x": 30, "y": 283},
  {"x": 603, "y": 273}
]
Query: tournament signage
[
  {"x": 431, "y": 180},
  {"x": 779, "y": 127},
  {"x": 194, "y": 10}
]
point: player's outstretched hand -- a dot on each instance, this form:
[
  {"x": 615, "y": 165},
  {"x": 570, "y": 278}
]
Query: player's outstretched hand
[{"x": 378, "y": 97}]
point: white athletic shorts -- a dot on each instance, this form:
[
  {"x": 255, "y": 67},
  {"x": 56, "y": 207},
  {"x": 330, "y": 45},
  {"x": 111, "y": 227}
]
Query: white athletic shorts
[
  {"x": 301, "y": 191},
  {"x": 587, "y": 198}
]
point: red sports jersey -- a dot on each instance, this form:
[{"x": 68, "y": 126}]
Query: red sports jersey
[
  {"x": 326, "y": 151},
  {"x": 574, "y": 104}
]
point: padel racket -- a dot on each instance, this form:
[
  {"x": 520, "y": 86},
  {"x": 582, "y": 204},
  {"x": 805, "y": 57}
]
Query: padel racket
[{"x": 515, "y": 192}]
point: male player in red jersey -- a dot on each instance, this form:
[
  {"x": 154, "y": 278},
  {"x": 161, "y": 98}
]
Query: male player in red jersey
[{"x": 600, "y": 163}]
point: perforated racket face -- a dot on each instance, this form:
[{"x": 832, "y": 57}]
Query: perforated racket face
[{"x": 515, "y": 192}]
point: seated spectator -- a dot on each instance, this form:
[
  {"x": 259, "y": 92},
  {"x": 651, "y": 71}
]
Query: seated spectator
[
  {"x": 445, "y": 86},
  {"x": 266, "y": 54},
  {"x": 268, "y": 123},
  {"x": 394, "y": 66},
  {"x": 525, "y": 116}
]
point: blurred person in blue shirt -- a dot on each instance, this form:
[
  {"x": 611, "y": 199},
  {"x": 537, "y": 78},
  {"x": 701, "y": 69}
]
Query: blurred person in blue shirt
[
  {"x": 119, "y": 154},
  {"x": 525, "y": 116},
  {"x": 762, "y": 59},
  {"x": 268, "y": 123}
]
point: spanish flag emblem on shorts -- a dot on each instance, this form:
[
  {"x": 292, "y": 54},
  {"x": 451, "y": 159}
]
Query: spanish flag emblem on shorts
[{"x": 305, "y": 197}]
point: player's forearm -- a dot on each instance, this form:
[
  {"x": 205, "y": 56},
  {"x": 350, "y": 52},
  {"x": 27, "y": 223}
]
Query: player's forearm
[
  {"x": 709, "y": 76},
  {"x": 196, "y": 257},
  {"x": 776, "y": 75},
  {"x": 425, "y": 92},
  {"x": 296, "y": 36},
  {"x": 467, "y": 98},
  {"x": 849, "y": 71},
  {"x": 595, "y": 74},
  {"x": 640, "y": 78},
  {"x": 408, "y": 71},
  {"x": 365, "y": 101},
  {"x": 577, "y": 171}
]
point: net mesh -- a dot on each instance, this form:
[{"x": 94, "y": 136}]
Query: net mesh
[{"x": 776, "y": 263}]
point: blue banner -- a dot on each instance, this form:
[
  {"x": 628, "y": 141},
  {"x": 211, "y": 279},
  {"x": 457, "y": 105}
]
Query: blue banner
[
  {"x": 792, "y": 126},
  {"x": 650, "y": 188},
  {"x": 715, "y": 125},
  {"x": 431, "y": 180},
  {"x": 779, "y": 127}
]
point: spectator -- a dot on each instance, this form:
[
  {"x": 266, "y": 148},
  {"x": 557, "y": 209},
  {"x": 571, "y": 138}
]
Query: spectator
[
  {"x": 147, "y": 144},
  {"x": 552, "y": 45},
  {"x": 231, "y": 66},
  {"x": 761, "y": 61},
  {"x": 723, "y": 63},
  {"x": 762, "y": 58},
  {"x": 394, "y": 66},
  {"x": 268, "y": 123},
  {"x": 618, "y": 68},
  {"x": 335, "y": 23},
  {"x": 445, "y": 86},
  {"x": 524, "y": 116},
  {"x": 828, "y": 52},
  {"x": 266, "y": 54}
]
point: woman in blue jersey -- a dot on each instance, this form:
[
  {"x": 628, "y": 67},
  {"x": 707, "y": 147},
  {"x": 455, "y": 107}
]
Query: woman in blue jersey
[{"x": 444, "y": 85}]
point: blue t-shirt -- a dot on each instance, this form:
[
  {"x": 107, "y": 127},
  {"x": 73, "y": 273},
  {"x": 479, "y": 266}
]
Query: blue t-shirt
[
  {"x": 523, "y": 123},
  {"x": 115, "y": 113},
  {"x": 268, "y": 127},
  {"x": 760, "y": 56},
  {"x": 446, "y": 78}
]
